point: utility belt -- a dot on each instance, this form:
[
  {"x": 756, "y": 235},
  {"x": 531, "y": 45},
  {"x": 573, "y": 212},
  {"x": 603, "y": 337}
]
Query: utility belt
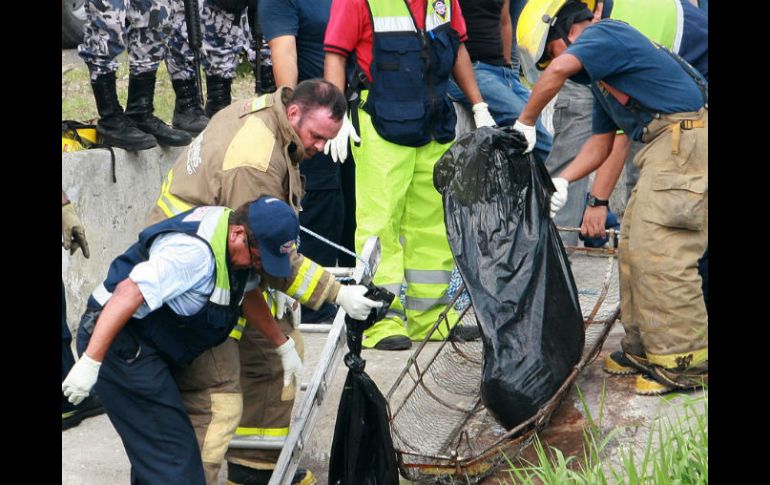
[{"x": 675, "y": 122}]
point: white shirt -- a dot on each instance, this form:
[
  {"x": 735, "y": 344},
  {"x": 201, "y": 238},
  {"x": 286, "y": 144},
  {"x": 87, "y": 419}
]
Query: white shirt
[{"x": 180, "y": 273}]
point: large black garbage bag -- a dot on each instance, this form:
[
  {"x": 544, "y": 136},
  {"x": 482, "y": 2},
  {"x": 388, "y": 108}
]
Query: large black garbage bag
[
  {"x": 508, "y": 251},
  {"x": 362, "y": 449}
]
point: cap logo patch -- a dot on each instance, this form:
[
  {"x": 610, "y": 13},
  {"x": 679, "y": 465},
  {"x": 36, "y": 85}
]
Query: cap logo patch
[{"x": 286, "y": 247}]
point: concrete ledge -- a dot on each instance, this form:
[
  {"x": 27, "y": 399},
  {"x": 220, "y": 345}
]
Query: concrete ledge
[{"x": 112, "y": 213}]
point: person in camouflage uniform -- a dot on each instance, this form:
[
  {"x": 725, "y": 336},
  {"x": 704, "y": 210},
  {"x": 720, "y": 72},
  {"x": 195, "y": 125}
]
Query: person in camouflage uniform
[
  {"x": 225, "y": 35},
  {"x": 141, "y": 26},
  {"x": 180, "y": 61}
]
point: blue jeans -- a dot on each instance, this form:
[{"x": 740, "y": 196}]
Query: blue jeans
[{"x": 506, "y": 97}]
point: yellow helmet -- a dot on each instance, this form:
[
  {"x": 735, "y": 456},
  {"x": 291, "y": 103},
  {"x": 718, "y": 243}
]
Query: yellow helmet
[{"x": 534, "y": 24}]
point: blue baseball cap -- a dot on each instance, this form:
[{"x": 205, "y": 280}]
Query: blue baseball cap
[{"x": 276, "y": 228}]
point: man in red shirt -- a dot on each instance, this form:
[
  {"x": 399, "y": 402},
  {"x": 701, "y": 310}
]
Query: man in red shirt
[{"x": 406, "y": 122}]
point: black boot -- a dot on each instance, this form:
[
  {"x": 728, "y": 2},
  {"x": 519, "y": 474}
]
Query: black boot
[
  {"x": 114, "y": 127},
  {"x": 243, "y": 475},
  {"x": 141, "y": 92},
  {"x": 188, "y": 114},
  {"x": 72, "y": 415},
  {"x": 217, "y": 94}
]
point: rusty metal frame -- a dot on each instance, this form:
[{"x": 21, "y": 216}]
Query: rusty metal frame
[{"x": 515, "y": 440}]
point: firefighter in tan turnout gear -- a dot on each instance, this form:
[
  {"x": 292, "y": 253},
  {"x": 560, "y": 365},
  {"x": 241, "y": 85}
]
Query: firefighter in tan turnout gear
[{"x": 249, "y": 149}]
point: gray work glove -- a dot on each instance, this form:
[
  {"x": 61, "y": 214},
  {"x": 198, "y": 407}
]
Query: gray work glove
[{"x": 72, "y": 231}]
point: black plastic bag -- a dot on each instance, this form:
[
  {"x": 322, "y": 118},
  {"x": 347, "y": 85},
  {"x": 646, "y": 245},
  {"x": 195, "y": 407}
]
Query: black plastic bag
[
  {"x": 362, "y": 449},
  {"x": 508, "y": 251}
]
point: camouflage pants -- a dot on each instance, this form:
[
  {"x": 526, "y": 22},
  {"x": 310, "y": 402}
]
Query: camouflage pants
[
  {"x": 223, "y": 39},
  {"x": 112, "y": 25}
]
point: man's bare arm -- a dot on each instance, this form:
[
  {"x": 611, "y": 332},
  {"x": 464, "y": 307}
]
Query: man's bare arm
[
  {"x": 283, "y": 50},
  {"x": 125, "y": 300},
  {"x": 554, "y": 77},
  {"x": 463, "y": 74},
  {"x": 334, "y": 70}
]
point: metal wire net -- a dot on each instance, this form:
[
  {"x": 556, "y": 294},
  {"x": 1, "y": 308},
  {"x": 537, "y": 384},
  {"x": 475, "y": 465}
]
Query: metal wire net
[{"x": 441, "y": 430}]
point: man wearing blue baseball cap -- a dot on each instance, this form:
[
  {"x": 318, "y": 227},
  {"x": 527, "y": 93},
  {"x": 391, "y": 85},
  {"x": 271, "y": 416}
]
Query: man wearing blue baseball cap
[
  {"x": 176, "y": 292},
  {"x": 276, "y": 229}
]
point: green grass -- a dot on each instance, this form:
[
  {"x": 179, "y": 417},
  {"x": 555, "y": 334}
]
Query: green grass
[
  {"x": 78, "y": 99},
  {"x": 676, "y": 452}
]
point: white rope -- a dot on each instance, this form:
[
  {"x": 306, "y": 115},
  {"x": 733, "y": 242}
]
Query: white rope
[{"x": 340, "y": 248}]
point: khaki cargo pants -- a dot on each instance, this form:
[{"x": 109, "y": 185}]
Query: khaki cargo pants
[
  {"x": 211, "y": 392},
  {"x": 663, "y": 234},
  {"x": 265, "y": 416}
]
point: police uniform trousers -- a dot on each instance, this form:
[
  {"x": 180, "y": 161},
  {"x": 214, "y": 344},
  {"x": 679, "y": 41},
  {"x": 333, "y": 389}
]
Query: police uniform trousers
[{"x": 141, "y": 399}]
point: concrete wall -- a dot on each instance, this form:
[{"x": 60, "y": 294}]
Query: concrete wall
[{"x": 112, "y": 213}]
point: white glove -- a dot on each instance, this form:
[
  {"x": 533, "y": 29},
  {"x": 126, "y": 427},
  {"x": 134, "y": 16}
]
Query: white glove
[
  {"x": 558, "y": 198},
  {"x": 481, "y": 115},
  {"x": 338, "y": 146},
  {"x": 529, "y": 132},
  {"x": 355, "y": 304},
  {"x": 292, "y": 364},
  {"x": 81, "y": 379},
  {"x": 283, "y": 304}
]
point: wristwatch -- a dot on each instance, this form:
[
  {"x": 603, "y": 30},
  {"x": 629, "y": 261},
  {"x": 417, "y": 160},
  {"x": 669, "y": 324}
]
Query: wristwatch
[{"x": 593, "y": 201}]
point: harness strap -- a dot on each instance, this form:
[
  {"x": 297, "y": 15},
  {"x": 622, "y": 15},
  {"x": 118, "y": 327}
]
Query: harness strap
[
  {"x": 353, "y": 95},
  {"x": 695, "y": 75},
  {"x": 71, "y": 127}
]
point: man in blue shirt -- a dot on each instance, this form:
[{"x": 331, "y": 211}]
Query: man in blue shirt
[
  {"x": 176, "y": 292},
  {"x": 675, "y": 24},
  {"x": 656, "y": 98}
]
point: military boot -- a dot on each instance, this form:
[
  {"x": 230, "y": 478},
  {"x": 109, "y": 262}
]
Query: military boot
[
  {"x": 114, "y": 127},
  {"x": 188, "y": 113},
  {"x": 139, "y": 107},
  {"x": 217, "y": 94}
]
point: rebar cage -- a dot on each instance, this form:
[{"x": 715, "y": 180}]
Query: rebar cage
[{"x": 441, "y": 430}]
